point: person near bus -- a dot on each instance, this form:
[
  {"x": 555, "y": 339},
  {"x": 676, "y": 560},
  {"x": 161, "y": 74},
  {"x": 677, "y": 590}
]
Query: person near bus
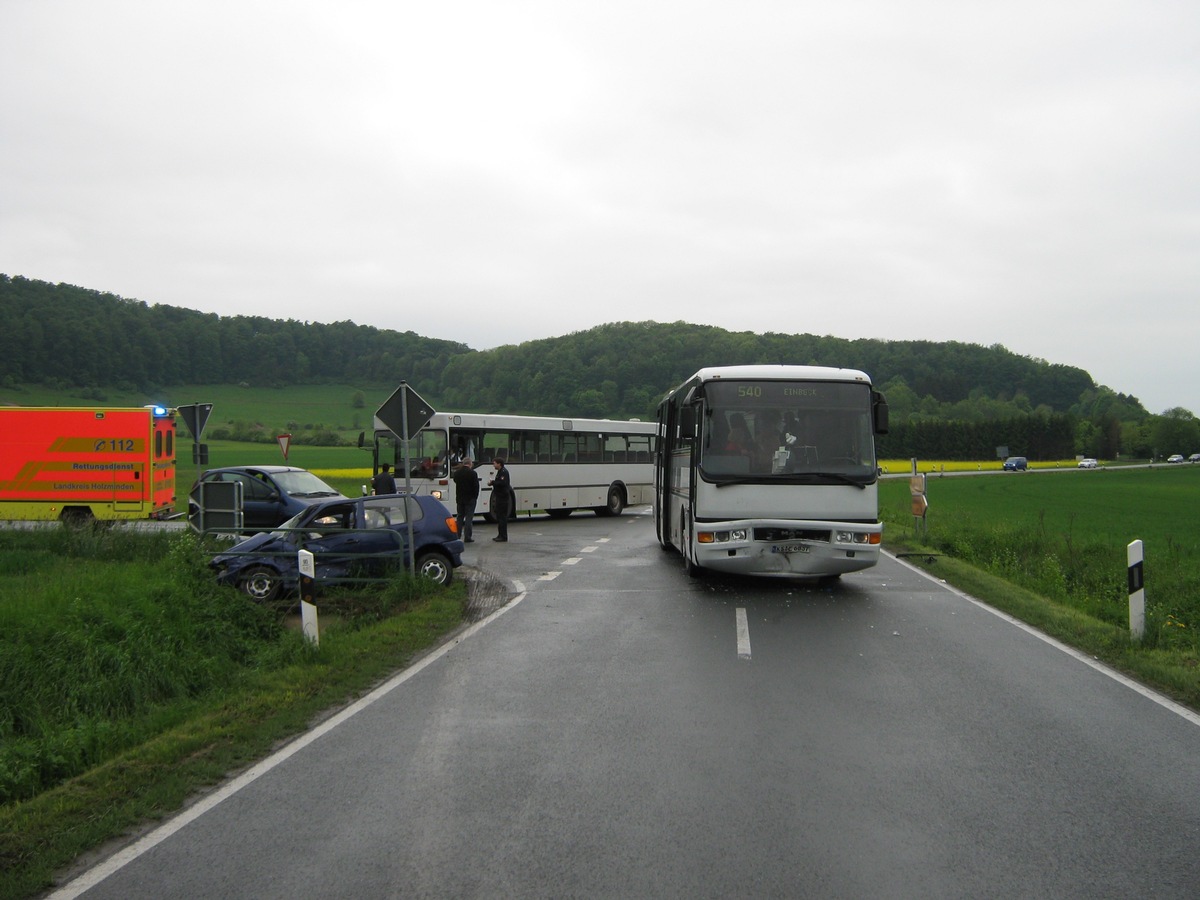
[
  {"x": 502, "y": 498},
  {"x": 466, "y": 494},
  {"x": 384, "y": 482}
]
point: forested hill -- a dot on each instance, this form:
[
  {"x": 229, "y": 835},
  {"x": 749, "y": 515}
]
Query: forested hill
[
  {"x": 75, "y": 337},
  {"x": 86, "y": 338}
]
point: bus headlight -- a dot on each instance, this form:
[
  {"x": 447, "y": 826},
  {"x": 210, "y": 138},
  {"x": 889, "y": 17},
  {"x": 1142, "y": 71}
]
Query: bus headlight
[
  {"x": 857, "y": 537},
  {"x": 720, "y": 537}
]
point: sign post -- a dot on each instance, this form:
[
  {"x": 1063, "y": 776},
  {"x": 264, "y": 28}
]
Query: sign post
[
  {"x": 285, "y": 441},
  {"x": 405, "y": 413}
]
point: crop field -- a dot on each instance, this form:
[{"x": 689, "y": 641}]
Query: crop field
[
  {"x": 937, "y": 467},
  {"x": 1064, "y": 535}
]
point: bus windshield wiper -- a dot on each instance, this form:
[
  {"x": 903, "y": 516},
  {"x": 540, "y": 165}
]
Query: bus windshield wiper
[{"x": 842, "y": 479}]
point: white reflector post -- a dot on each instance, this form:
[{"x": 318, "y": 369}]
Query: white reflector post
[
  {"x": 1137, "y": 592},
  {"x": 308, "y": 611}
]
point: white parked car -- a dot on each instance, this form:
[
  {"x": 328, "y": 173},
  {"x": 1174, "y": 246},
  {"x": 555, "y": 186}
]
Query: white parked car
[
  {"x": 1175, "y": 458},
  {"x": 1088, "y": 463}
]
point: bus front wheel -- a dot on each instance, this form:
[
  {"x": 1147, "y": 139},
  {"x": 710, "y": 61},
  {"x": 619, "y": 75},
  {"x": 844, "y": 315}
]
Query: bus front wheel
[{"x": 690, "y": 568}]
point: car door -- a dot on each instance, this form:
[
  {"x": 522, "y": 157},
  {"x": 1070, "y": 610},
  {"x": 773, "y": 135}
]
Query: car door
[
  {"x": 344, "y": 544},
  {"x": 262, "y": 506},
  {"x": 386, "y": 519}
]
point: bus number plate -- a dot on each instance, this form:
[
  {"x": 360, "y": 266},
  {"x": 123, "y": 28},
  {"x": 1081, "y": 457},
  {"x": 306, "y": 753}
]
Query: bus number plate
[{"x": 789, "y": 548}]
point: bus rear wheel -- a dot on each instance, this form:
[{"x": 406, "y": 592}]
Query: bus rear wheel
[{"x": 615, "y": 505}]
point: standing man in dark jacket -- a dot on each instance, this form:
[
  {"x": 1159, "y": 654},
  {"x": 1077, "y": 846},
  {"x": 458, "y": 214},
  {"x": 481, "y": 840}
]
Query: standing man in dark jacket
[
  {"x": 385, "y": 481},
  {"x": 466, "y": 495},
  {"x": 502, "y": 497}
]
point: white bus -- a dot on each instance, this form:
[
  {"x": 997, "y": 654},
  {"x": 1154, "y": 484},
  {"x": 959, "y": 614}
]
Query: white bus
[
  {"x": 557, "y": 465},
  {"x": 770, "y": 470}
]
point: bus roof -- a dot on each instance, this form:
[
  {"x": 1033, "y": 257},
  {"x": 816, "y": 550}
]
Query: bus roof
[{"x": 779, "y": 373}]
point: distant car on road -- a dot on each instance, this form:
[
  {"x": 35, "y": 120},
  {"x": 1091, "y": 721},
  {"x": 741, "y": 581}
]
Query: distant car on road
[
  {"x": 270, "y": 494},
  {"x": 1016, "y": 464},
  {"x": 1195, "y": 457},
  {"x": 359, "y": 537},
  {"x": 1088, "y": 463},
  {"x": 1175, "y": 458}
]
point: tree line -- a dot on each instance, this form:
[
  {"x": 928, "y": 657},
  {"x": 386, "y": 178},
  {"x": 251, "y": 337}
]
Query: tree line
[{"x": 949, "y": 400}]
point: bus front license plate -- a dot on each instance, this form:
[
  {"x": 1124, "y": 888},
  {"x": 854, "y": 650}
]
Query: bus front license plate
[{"x": 789, "y": 548}]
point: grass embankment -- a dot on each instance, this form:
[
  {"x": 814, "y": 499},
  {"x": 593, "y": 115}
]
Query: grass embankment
[
  {"x": 1051, "y": 550},
  {"x": 128, "y": 680}
]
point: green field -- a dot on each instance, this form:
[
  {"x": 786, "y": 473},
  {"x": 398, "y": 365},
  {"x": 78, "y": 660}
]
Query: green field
[{"x": 1064, "y": 535}]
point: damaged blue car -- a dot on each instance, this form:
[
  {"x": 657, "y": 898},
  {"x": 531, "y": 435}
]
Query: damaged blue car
[{"x": 350, "y": 538}]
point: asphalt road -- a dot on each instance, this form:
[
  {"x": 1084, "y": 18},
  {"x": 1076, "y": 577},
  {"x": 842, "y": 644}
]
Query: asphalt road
[{"x": 621, "y": 730}]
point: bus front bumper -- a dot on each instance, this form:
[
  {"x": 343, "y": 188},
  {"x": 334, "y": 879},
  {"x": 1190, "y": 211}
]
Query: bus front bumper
[{"x": 787, "y": 547}]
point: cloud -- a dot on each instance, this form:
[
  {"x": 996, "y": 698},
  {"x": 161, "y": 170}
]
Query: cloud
[{"x": 495, "y": 173}]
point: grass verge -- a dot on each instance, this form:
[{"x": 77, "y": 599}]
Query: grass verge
[{"x": 209, "y": 736}]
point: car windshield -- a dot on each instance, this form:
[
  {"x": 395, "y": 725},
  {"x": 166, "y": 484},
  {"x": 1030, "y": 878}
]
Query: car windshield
[
  {"x": 304, "y": 484},
  {"x": 290, "y": 525}
]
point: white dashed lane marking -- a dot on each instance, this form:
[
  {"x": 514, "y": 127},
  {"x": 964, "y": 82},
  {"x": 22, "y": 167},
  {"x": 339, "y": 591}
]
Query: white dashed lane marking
[{"x": 743, "y": 635}]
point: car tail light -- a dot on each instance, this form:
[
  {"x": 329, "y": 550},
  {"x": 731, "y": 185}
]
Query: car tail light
[{"x": 452, "y": 524}]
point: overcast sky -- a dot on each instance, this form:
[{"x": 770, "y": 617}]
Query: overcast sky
[{"x": 1017, "y": 173}]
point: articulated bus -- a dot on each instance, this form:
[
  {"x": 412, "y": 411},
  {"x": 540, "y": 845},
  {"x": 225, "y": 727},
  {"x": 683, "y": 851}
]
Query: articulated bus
[
  {"x": 557, "y": 465},
  {"x": 770, "y": 470},
  {"x": 78, "y": 464}
]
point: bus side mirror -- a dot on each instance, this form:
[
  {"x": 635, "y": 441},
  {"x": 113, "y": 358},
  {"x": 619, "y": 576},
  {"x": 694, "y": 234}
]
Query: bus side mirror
[{"x": 879, "y": 410}]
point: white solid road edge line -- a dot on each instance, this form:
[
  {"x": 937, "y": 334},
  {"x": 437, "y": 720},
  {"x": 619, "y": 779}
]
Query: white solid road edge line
[
  {"x": 1162, "y": 700},
  {"x": 122, "y": 858}
]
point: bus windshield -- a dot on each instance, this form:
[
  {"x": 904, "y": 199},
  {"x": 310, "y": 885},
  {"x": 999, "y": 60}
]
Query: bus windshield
[{"x": 793, "y": 431}]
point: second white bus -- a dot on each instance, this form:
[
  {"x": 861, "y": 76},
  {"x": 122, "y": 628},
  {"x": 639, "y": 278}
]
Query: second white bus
[{"x": 557, "y": 465}]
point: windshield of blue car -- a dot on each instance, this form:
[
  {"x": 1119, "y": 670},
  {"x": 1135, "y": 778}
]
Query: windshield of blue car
[{"x": 304, "y": 484}]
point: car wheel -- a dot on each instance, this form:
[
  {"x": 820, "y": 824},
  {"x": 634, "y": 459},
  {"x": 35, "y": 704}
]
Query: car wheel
[
  {"x": 261, "y": 584},
  {"x": 435, "y": 567}
]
